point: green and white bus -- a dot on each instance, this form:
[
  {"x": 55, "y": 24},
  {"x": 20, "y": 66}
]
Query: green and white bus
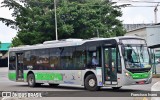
[{"x": 93, "y": 63}]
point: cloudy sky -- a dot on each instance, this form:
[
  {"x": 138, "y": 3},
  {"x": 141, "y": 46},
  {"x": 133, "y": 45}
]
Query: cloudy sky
[{"x": 131, "y": 15}]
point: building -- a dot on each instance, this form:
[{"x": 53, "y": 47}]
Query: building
[
  {"x": 130, "y": 27},
  {"x": 150, "y": 33},
  {"x": 4, "y": 47}
]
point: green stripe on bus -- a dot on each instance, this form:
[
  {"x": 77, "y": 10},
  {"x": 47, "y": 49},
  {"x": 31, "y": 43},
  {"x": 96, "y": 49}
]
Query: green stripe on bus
[
  {"x": 25, "y": 76},
  {"x": 140, "y": 75},
  {"x": 48, "y": 76},
  {"x": 12, "y": 76}
]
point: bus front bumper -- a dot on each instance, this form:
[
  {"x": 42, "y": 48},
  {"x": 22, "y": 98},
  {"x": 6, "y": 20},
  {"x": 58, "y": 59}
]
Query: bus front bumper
[{"x": 131, "y": 81}]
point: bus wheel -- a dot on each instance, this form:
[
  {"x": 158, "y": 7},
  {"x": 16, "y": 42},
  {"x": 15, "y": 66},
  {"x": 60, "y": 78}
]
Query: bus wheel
[
  {"x": 31, "y": 80},
  {"x": 116, "y": 88},
  {"x": 53, "y": 85},
  {"x": 91, "y": 83}
]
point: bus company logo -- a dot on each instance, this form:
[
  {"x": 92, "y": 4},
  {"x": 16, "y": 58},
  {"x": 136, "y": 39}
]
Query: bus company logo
[
  {"x": 6, "y": 94},
  {"x": 73, "y": 77}
]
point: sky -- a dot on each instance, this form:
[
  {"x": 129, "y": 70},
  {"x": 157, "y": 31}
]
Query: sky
[{"x": 131, "y": 15}]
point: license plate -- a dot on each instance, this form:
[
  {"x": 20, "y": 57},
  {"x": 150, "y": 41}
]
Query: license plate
[{"x": 141, "y": 82}]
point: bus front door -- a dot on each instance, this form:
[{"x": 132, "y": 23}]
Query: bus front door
[
  {"x": 110, "y": 69},
  {"x": 19, "y": 67}
]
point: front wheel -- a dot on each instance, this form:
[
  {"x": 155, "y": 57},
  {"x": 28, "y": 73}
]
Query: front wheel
[{"x": 91, "y": 83}]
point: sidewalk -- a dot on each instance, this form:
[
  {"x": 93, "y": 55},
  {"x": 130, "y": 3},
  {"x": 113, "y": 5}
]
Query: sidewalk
[
  {"x": 156, "y": 75},
  {"x": 156, "y": 87}
]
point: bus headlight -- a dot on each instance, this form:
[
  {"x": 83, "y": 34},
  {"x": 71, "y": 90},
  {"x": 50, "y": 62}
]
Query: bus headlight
[{"x": 127, "y": 74}]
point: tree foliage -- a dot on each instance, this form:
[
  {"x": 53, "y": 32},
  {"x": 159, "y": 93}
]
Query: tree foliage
[
  {"x": 0, "y": 44},
  {"x": 35, "y": 20}
]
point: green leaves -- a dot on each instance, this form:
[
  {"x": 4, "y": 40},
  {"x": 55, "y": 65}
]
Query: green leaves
[{"x": 84, "y": 19}]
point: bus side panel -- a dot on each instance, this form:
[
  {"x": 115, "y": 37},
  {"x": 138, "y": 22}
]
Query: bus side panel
[
  {"x": 12, "y": 75},
  {"x": 46, "y": 76},
  {"x": 25, "y": 72},
  {"x": 120, "y": 79},
  {"x": 70, "y": 76},
  {"x": 57, "y": 76}
]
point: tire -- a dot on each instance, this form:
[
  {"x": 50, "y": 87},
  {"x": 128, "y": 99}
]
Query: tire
[
  {"x": 53, "y": 85},
  {"x": 116, "y": 88},
  {"x": 31, "y": 80},
  {"x": 91, "y": 83}
]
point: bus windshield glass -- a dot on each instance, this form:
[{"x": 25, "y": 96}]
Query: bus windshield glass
[{"x": 136, "y": 56}]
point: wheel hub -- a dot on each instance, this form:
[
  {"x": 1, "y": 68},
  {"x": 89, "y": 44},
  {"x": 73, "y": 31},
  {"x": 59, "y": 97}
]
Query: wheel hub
[
  {"x": 31, "y": 81},
  {"x": 92, "y": 82}
]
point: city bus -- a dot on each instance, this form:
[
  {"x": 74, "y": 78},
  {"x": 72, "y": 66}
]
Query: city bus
[{"x": 92, "y": 63}]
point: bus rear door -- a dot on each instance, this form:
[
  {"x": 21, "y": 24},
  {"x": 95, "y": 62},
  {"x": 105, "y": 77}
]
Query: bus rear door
[{"x": 19, "y": 67}]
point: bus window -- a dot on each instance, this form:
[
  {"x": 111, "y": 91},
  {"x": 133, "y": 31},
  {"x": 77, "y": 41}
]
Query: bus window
[
  {"x": 66, "y": 61},
  {"x": 26, "y": 59},
  {"x": 55, "y": 58},
  {"x": 93, "y": 56},
  {"x": 33, "y": 59},
  {"x": 12, "y": 61},
  {"x": 80, "y": 57},
  {"x": 114, "y": 64},
  {"x": 42, "y": 59}
]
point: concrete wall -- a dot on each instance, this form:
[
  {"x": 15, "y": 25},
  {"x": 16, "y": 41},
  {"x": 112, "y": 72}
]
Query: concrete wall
[
  {"x": 150, "y": 33},
  {"x": 139, "y": 32},
  {"x": 153, "y": 35}
]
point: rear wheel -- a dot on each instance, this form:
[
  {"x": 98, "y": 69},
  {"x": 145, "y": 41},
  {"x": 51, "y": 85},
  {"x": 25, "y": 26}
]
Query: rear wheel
[
  {"x": 31, "y": 80},
  {"x": 91, "y": 83}
]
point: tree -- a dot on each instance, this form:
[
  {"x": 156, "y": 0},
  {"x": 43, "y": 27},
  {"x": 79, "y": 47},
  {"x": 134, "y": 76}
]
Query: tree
[
  {"x": 84, "y": 19},
  {"x": 0, "y": 44}
]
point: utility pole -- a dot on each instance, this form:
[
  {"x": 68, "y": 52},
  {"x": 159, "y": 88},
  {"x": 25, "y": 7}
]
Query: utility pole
[
  {"x": 55, "y": 16},
  {"x": 97, "y": 33},
  {"x": 155, "y": 12}
]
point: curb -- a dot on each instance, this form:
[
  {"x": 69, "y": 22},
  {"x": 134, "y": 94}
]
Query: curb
[{"x": 156, "y": 75}]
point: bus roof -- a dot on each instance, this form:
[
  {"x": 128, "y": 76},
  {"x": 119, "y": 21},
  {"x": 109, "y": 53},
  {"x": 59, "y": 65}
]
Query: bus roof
[{"x": 66, "y": 43}]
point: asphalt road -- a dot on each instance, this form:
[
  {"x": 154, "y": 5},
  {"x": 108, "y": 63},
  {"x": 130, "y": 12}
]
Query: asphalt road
[{"x": 73, "y": 91}]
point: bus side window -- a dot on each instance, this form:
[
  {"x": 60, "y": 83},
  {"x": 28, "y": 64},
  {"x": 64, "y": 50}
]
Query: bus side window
[
  {"x": 12, "y": 61},
  {"x": 94, "y": 56},
  {"x": 80, "y": 57},
  {"x": 54, "y": 58},
  {"x": 26, "y": 59},
  {"x": 66, "y": 60}
]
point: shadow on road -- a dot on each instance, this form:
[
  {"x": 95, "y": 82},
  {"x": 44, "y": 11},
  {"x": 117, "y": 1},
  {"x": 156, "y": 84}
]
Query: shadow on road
[
  {"x": 77, "y": 91},
  {"x": 81, "y": 88}
]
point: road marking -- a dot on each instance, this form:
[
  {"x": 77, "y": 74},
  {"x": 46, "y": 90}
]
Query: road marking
[
  {"x": 144, "y": 98},
  {"x": 156, "y": 86}
]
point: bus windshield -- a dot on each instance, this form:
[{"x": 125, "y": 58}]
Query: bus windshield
[{"x": 136, "y": 56}]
